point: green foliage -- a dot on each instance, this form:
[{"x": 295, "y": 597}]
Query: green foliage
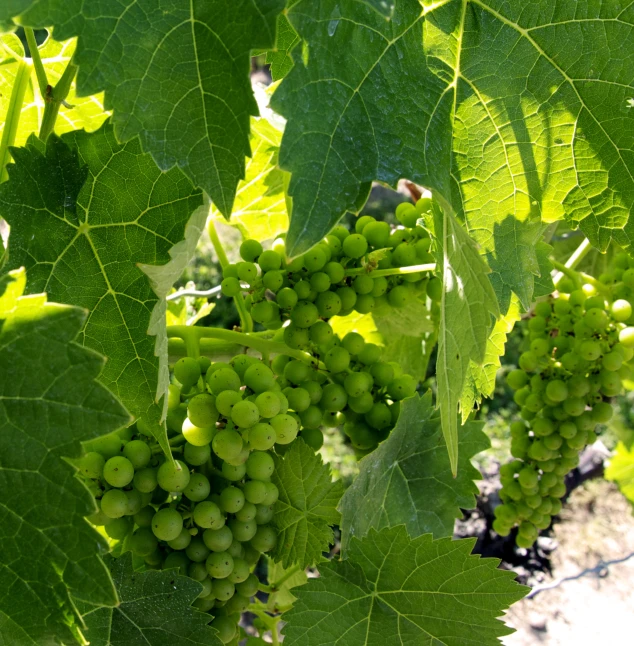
[
  {"x": 466, "y": 314},
  {"x": 405, "y": 591},
  {"x": 307, "y": 506},
  {"x": 408, "y": 480},
  {"x": 49, "y": 402},
  {"x": 154, "y": 610},
  {"x": 82, "y": 235},
  {"x": 174, "y": 73},
  {"x": 259, "y": 210},
  {"x": 280, "y": 58},
  {"x": 621, "y": 470},
  {"x": 282, "y": 597}
]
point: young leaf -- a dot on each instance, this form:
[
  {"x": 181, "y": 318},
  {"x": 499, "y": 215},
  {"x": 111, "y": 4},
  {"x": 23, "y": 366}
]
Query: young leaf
[
  {"x": 467, "y": 309},
  {"x": 175, "y": 73},
  {"x": 259, "y": 210},
  {"x": 84, "y": 215},
  {"x": 407, "y": 480},
  {"x": 282, "y": 597},
  {"x": 154, "y": 610},
  {"x": 50, "y": 401},
  {"x": 307, "y": 506},
  {"x": 394, "y": 590},
  {"x": 427, "y": 96}
]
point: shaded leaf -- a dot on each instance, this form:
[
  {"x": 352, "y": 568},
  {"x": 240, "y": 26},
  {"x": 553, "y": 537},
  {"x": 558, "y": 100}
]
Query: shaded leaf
[
  {"x": 155, "y": 610},
  {"x": 394, "y": 590},
  {"x": 283, "y": 597},
  {"x": 307, "y": 506},
  {"x": 621, "y": 470},
  {"x": 408, "y": 480},
  {"x": 50, "y": 401},
  {"x": 87, "y": 218}
]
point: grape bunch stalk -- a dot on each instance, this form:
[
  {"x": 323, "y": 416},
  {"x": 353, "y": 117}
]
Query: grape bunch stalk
[
  {"x": 374, "y": 269},
  {"x": 579, "y": 347}
]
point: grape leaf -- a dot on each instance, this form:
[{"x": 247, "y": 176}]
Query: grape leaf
[
  {"x": 306, "y": 508},
  {"x": 621, "y": 470},
  {"x": 467, "y": 308},
  {"x": 280, "y": 58},
  {"x": 282, "y": 597},
  {"x": 86, "y": 112},
  {"x": 87, "y": 217},
  {"x": 394, "y": 590},
  {"x": 259, "y": 211},
  {"x": 50, "y": 401},
  {"x": 544, "y": 284},
  {"x": 155, "y": 610},
  {"x": 515, "y": 111},
  {"x": 480, "y": 379},
  {"x": 175, "y": 73},
  {"x": 407, "y": 480}
]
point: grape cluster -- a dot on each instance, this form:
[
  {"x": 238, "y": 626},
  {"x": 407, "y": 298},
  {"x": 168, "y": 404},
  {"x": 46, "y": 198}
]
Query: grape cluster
[
  {"x": 335, "y": 276},
  {"x": 578, "y": 346},
  {"x": 209, "y": 512}
]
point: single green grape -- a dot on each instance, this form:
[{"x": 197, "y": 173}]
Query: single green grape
[
  {"x": 91, "y": 464},
  {"x": 195, "y": 455},
  {"x": 265, "y": 538},
  {"x": 114, "y": 503},
  {"x": 167, "y": 524},
  {"x": 173, "y": 476},
  {"x": 260, "y": 465},
  {"x": 259, "y": 378},
  {"x": 219, "y": 565},
  {"x": 118, "y": 471}
]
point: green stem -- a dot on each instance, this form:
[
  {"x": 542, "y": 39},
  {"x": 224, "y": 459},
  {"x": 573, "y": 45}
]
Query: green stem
[
  {"x": 14, "y": 111},
  {"x": 246, "y": 323},
  {"x": 274, "y": 635},
  {"x": 263, "y": 346},
  {"x": 392, "y": 271},
  {"x": 566, "y": 271},
  {"x": 40, "y": 72},
  {"x": 579, "y": 254},
  {"x": 54, "y": 99},
  {"x": 208, "y": 347}
]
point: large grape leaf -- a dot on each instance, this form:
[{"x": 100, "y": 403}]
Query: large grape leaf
[
  {"x": 407, "y": 480},
  {"x": 154, "y": 610},
  {"x": 467, "y": 308},
  {"x": 393, "y": 590},
  {"x": 175, "y": 73},
  {"x": 86, "y": 112},
  {"x": 307, "y": 506},
  {"x": 86, "y": 215},
  {"x": 50, "y": 401},
  {"x": 259, "y": 210}
]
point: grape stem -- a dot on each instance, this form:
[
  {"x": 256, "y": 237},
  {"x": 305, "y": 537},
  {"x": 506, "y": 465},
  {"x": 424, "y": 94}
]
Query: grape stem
[
  {"x": 391, "y": 271},
  {"x": 246, "y": 323},
  {"x": 54, "y": 98},
  {"x": 275, "y": 585},
  {"x": 263, "y": 346},
  {"x": 577, "y": 256},
  {"x": 40, "y": 72},
  {"x": 194, "y": 292}
]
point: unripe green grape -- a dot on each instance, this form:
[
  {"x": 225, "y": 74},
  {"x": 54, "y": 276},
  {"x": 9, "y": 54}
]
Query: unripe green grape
[
  {"x": 296, "y": 337},
  {"x": 245, "y": 414},
  {"x": 320, "y": 282},
  {"x": 247, "y": 272},
  {"x": 315, "y": 259},
  {"x": 313, "y": 438},
  {"x": 328, "y": 304},
  {"x": 321, "y": 333},
  {"x": 181, "y": 541},
  {"x": 231, "y": 499},
  {"x": 567, "y": 430},
  {"x": 364, "y": 303},
  {"x": 262, "y": 312},
  {"x": 254, "y": 492},
  {"x": 145, "y": 480},
  {"x": 223, "y": 590},
  {"x": 311, "y": 417},
  {"x": 557, "y": 390},
  {"x": 219, "y": 565},
  {"x": 621, "y": 310},
  {"x": 402, "y": 387},
  {"x": 119, "y": 528},
  {"x": 268, "y": 404},
  {"x": 574, "y": 406},
  {"x": 313, "y": 389},
  {"x": 553, "y": 442},
  {"x": 260, "y": 465},
  {"x": 398, "y": 296},
  {"x": 262, "y": 437},
  {"x": 114, "y": 503},
  {"x": 227, "y": 444},
  {"x": 233, "y": 473},
  {"x": 118, "y": 471},
  {"x": 195, "y": 455},
  {"x": 347, "y": 296},
  {"x": 287, "y": 298},
  {"x": 167, "y": 524},
  {"x": 528, "y": 477},
  {"x": 434, "y": 289},
  {"x": 173, "y": 476},
  {"x": 259, "y": 378},
  {"x": 135, "y": 502},
  {"x": 297, "y": 371},
  {"x": 201, "y": 410},
  {"x": 250, "y": 250},
  {"x": 302, "y": 289},
  {"x": 92, "y": 463},
  {"x": 230, "y": 287},
  {"x": 404, "y": 254},
  {"x": 370, "y": 354},
  {"x": 286, "y": 429},
  {"x": 610, "y": 383},
  {"x": 337, "y": 359},
  {"x": 383, "y": 373},
  {"x": 377, "y": 234},
  {"x": 197, "y": 436},
  {"x": 362, "y": 222},
  {"x": 543, "y": 427},
  {"x": 218, "y": 540},
  {"x": 304, "y": 314},
  {"x": 407, "y": 214},
  {"x": 363, "y": 284},
  {"x": 230, "y": 271},
  {"x": 249, "y": 586},
  {"x": 298, "y": 399},
  {"x": 354, "y": 246},
  {"x": 241, "y": 572},
  {"x": 334, "y": 398},
  {"x": 602, "y": 413},
  {"x": 272, "y": 494},
  {"x": 517, "y": 379},
  {"x": 187, "y": 371},
  {"x": 243, "y": 530},
  {"x": 143, "y": 518},
  {"x": 353, "y": 343},
  {"x": 223, "y": 379},
  {"x": 596, "y": 319},
  {"x": 198, "y": 488},
  {"x": 528, "y": 361},
  {"x": 265, "y": 538},
  {"x": 540, "y": 347},
  {"x": 197, "y": 551},
  {"x": 269, "y": 261},
  {"x": 361, "y": 404}
]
